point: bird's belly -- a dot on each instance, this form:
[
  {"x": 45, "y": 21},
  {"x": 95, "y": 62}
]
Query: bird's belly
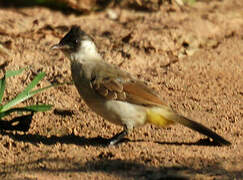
[
  {"x": 124, "y": 113},
  {"x": 120, "y": 113}
]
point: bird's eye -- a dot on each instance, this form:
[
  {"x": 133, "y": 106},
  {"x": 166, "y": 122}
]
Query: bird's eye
[{"x": 76, "y": 41}]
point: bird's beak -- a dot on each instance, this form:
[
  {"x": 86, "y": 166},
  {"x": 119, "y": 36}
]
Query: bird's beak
[
  {"x": 55, "y": 47},
  {"x": 59, "y": 46}
]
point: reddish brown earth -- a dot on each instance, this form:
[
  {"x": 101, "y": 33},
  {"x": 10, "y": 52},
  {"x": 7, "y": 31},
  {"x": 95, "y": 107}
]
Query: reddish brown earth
[{"x": 193, "y": 56}]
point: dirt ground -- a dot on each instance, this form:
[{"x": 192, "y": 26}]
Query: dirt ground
[{"x": 193, "y": 56}]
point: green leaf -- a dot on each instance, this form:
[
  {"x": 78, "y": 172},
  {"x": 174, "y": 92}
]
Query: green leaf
[
  {"x": 3, "y": 80},
  {"x": 39, "y": 107},
  {"x": 190, "y": 2},
  {"x": 25, "y": 93},
  {"x": 33, "y": 83},
  {"x": 2, "y": 87},
  {"x": 22, "y": 97},
  {"x": 32, "y": 108},
  {"x": 14, "y": 73}
]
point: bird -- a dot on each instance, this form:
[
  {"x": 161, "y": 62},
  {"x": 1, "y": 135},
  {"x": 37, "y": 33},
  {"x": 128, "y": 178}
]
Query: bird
[{"x": 115, "y": 94}]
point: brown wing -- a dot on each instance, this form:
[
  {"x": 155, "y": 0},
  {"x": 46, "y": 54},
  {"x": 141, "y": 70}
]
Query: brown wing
[
  {"x": 118, "y": 85},
  {"x": 138, "y": 93}
]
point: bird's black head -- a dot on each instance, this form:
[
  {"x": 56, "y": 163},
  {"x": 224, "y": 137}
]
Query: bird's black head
[
  {"x": 72, "y": 40},
  {"x": 77, "y": 45}
]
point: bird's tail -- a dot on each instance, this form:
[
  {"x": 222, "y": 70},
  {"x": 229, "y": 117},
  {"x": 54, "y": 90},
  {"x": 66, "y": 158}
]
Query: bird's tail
[{"x": 163, "y": 116}]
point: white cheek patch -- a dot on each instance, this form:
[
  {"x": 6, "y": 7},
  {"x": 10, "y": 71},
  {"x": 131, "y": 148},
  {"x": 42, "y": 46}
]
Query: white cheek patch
[
  {"x": 88, "y": 47},
  {"x": 87, "y": 51}
]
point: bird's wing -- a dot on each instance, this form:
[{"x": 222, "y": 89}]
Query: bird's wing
[{"x": 112, "y": 83}]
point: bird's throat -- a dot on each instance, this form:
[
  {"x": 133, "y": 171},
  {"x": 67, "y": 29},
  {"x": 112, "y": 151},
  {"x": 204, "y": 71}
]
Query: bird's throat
[{"x": 87, "y": 52}]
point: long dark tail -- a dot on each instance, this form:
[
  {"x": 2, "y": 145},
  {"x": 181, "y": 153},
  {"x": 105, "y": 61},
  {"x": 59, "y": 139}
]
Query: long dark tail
[{"x": 163, "y": 116}]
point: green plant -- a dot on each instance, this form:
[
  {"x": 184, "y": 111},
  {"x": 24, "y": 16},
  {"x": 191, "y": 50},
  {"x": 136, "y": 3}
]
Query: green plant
[
  {"x": 28, "y": 92},
  {"x": 190, "y": 2}
]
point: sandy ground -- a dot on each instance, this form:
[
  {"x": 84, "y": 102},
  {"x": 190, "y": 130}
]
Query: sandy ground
[{"x": 193, "y": 56}]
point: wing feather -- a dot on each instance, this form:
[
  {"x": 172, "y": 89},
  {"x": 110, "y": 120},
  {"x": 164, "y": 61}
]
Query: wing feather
[{"x": 112, "y": 83}]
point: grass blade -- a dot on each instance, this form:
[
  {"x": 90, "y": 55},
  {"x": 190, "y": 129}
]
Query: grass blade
[
  {"x": 22, "y": 97},
  {"x": 2, "y": 87},
  {"x": 14, "y": 73},
  {"x": 32, "y": 108},
  {"x": 33, "y": 83},
  {"x": 25, "y": 93},
  {"x": 39, "y": 107},
  {"x": 3, "y": 80},
  {"x": 190, "y": 2}
]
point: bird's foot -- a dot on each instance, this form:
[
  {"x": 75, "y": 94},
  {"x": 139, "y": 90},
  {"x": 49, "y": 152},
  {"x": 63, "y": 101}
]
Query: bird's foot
[{"x": 117, "y": 138}]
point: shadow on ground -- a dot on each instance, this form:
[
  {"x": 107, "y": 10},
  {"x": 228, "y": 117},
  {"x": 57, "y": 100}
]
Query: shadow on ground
[
  {"x": 118, "y": 167},
  {"x": 96, "y": 141},
  {"x": 22, "y": 123}
]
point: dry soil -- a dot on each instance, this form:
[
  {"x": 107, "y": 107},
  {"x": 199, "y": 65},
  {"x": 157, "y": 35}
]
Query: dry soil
[{"x": 192, "y": 55}]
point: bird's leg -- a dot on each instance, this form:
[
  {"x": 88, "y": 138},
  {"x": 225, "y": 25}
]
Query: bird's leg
[{"x": 118, "y": 137}]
